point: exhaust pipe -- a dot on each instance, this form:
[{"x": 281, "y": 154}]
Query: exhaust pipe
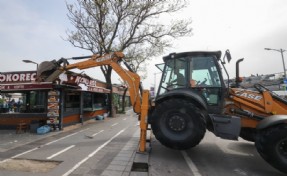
[{"x": 237, "y": 78}]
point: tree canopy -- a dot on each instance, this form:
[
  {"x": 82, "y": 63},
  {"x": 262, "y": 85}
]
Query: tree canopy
[
  {"x": 131, "y": 26},
  {"x": 135, "y": 27}
]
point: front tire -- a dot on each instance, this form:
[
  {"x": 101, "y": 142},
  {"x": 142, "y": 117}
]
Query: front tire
[
  {"x": 178, "y": 124},
  {"x": 271, "y": 144}
]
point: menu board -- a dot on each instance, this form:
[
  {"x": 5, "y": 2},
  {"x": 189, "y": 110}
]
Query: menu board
[{"x": 53, "y": 107}]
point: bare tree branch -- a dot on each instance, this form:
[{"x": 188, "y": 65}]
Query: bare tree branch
[
  {"x": 141, "y": 29},
  {"x": 135, "y": 27}
]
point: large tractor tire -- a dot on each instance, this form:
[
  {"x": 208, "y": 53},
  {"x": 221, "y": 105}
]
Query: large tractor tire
[
  {"x": 271, "y": 144},
  {"x": 178, "y": 124}
]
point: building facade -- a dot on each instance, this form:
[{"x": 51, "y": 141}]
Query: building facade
[{"x": 72, "y": 98}]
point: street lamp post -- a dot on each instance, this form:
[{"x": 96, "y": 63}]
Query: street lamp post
[
  {"x": 281, "y": 51},
  {"x": 29, "y": 61}
]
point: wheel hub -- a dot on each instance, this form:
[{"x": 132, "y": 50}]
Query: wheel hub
[{"x": 176, "y": 123}]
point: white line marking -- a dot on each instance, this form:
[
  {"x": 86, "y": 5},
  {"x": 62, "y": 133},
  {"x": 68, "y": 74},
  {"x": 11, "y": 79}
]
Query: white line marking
[
  {"x": 9, "y": 143},
  {"x": 97, "y": 133},
  {"x": 92, "y": 154},
  {"x": 115, "y": 124},
  {"x": 65, "y": 137},
  {"x": 125, "y": 119},
  {"x": 28, "y": 151},
  {"x": 190, "y": 164},
  {"x": 61, "y": 138},
  {"x": 62, "y": 151},
  {"x": 5, "y": 160}
]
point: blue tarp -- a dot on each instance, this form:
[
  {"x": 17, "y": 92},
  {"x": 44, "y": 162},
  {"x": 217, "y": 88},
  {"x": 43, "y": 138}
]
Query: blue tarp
[{"x": 43, "y": 129}]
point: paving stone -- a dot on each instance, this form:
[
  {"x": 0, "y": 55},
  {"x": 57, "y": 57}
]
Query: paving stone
[
  {"x": 115, "y": 167},
  {"x": 111, "y": 173},
  {"x": 118, "y": 162},
  {"x": 139, "y": 174}
]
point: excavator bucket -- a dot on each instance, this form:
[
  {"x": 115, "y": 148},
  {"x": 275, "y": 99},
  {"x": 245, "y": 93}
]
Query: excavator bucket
[{"x": 48, "y": 71}]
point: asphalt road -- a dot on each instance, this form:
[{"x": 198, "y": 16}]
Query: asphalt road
[
  {"x": 109, "y": 148},
  {"x": 212, "y": 157}
]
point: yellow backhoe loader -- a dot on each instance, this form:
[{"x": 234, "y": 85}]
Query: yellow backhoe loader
[{"x": 193, "y": 97}]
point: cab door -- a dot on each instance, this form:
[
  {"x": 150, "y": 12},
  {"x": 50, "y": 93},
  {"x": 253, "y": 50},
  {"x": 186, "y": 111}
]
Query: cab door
[{"x": 206, "y": 78}]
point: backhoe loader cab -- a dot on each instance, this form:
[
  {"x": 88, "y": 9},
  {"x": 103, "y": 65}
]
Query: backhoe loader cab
[{"x": 198, "y": 72}]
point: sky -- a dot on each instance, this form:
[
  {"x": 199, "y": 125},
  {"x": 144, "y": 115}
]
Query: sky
[{"x": 35, "y": 30}]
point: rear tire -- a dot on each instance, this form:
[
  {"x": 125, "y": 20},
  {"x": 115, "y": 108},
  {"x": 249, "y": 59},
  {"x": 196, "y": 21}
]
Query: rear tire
[
  {"x": 271, "y": 144},
  {"x": 178, "y": 124}
]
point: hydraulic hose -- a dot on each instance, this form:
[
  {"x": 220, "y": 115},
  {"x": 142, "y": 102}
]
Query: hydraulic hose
[{"x": 247, "y": 113}]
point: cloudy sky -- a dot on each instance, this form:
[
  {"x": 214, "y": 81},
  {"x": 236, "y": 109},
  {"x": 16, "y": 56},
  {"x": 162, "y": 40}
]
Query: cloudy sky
[{"x": 33, "y": 29}]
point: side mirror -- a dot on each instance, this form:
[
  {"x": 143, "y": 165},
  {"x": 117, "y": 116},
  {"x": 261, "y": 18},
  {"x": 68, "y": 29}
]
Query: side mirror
[{"x": 228, "y": 55}]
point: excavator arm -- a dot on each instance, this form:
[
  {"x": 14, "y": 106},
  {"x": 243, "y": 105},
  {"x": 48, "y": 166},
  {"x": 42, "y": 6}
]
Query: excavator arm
[{"x": 48, "y": 71}]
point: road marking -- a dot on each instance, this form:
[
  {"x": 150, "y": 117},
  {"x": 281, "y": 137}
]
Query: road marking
[
  {"x": 190, "y": 164},
  {"x": 92, "y": 154},
  {"x": 5, "y": 160},
  {"x": 28, "y": 151},
  {"x": 97, "y": 133},
  {"x": 66, "y": 137},
  {"x": 36, "y": 148},
  {"x": 62, "y": 151},
  {"x": 115, "y": 124},
  {"x": 9, "y": 142},
  {"x": 125, "y": 119}
]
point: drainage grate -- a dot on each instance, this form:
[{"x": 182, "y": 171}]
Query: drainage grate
[
  {"x": 139, "y": 167},
  {"x": 28, "y": 165}
]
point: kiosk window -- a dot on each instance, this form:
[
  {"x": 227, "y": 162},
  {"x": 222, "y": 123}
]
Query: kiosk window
[
  {"x": 36, "y": 101},
  {"x": 94, "y": 101},
  {"x": 72, "y": 100}
]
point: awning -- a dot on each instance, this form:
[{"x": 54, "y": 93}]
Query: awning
[{"x": 25, "y": 86}]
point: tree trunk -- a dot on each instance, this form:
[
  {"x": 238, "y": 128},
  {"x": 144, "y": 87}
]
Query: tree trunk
[
  {"x": 124, "y": 100},
  {"x": 107, "y": 75}
]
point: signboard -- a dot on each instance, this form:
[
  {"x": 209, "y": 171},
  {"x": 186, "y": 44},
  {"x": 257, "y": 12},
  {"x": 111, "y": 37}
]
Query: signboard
[
  {"x": 18, "y": 77},
  {"x": 53, "y": 107},
  {"x": 25, "y": 86},
  {"x": 25, "y": 80}
]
